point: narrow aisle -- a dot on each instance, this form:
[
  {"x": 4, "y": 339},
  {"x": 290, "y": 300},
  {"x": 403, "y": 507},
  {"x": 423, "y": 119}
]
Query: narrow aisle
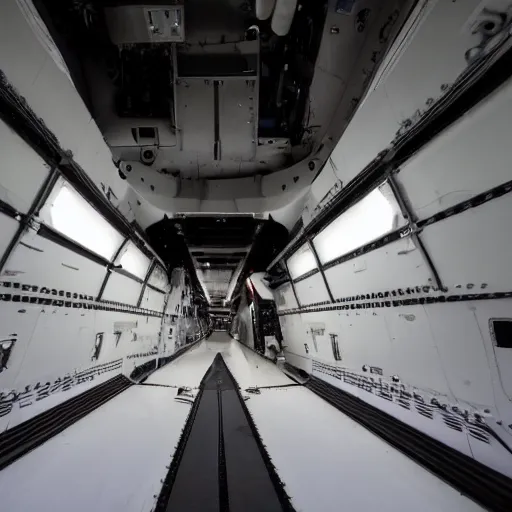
[
  {"x": 248, "y": 368},
  {"x": 112, "y": 460},
  {"x": 189, "y": 369}
]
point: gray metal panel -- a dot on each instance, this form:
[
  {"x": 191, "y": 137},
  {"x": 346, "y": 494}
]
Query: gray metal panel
[
  {"x": 238, "y": 118},
  {"x": 130, "y": 24},
  {"x": 196, "y": 115}
]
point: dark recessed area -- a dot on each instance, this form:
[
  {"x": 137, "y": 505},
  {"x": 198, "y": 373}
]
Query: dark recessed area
[{"x": 502, "y": 331}]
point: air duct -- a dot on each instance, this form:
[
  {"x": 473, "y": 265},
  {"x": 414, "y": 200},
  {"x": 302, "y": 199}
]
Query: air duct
[
  {"x": 264, "y": 8},
  {"x": 283, "y": 16}
]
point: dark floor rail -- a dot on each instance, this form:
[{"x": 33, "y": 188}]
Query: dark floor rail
[
  {"x": 482, "y": 484},
  {"x": 220, "y": 464},
  {"x": 30, "y": 434}
]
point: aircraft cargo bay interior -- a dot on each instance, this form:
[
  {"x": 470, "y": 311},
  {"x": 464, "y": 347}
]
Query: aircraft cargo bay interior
[{"x": 255, "y": 255}]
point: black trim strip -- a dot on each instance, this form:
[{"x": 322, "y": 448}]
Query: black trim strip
[
  {"x": 391, "y": 301},
  {"x": 484, "y": 485},
  {"x": 306, "y": 275},
  {"x": 27, "y": 436},
  {"x": 376, "y": 244},
  {"x": 223, "y": 474},
  {"x": 125, "y": 273},
  {"x": 155, "y": 289},
  {"x": 405, "y": 231},
  {"x": 473, "y": 202},
  {"x": 59, "y": 239},
  {"x": 61, "y": 301},
  {"x": 8, "y": 210}
]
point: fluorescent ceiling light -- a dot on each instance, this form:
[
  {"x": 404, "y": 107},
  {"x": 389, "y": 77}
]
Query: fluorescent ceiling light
[
  {"x": 133, "y": 260},
  {"x": 371, "y": 218},
  {"x": 301, "y": 262},
  {"x": 75, "y": 218}
]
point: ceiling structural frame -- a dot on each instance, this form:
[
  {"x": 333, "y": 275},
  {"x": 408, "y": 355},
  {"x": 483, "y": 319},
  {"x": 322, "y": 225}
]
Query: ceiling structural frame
[{"x": 219, "y": 246}]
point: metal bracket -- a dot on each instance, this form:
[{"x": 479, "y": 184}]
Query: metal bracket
[
  {"x": 33, "y": 225},
  {"x": 414, "y": 231}
]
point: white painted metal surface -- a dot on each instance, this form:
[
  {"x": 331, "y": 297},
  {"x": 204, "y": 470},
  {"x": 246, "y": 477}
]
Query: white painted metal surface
[
  {"x": 470, "y": 250},
  {"x": 393, "y": 266},
  {"x": 121, "y": 289},
  {"x": 284, "y": 297},
  {"x": 152, "y": 300},
  {"x": 38, "y": 261},
  {"x": 252, "y": 370},
  {"x": 311, "y": 290},
  {"x": 48, "y": 91},
  {"x": 8, "y": 228},
  {"x": 114, "y": 459},
  {"x": 189, "y": 369},
  {"x": 22, "y": 172},
  {"x": 472, "y": 156},
  {"x": 411, "y": 79},
  {"x": 248, "y": 368},
  {"x": 328, "y": 462},
  {"x": 441, "y": 351}
]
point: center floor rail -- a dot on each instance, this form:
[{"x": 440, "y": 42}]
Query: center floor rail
[{"x": 220, "y": 465}]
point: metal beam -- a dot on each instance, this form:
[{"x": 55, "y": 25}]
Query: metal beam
[
  {"x": 145, "y": 283},
  {"x": 319, "y": 265},
  {"x": 109, "y": 268},
  {"x": 218, "y": 250},
  {"x": 414, "y": 231}
]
